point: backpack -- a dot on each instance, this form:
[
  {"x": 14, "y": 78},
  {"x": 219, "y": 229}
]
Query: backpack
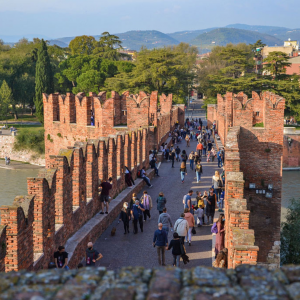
[
  {"x": 214, "y": 228},
  {"x": 220, "y": 183},
  {"x": 89, "y": 259},
  {"x": 139, "y": 173}
]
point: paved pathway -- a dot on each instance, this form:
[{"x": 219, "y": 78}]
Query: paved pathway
[{"x": 137, "y": 250}]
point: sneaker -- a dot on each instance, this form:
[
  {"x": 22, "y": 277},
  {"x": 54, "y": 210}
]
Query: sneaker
[
  {"x": 130, "y": 187},
  {"x": 150, "y": 186},
  {"x": 197, "y": 181},
  {"x": 190, "y": 244},
  {"x": 106, "y": 212},
  {"x": 102, "y": 213}
]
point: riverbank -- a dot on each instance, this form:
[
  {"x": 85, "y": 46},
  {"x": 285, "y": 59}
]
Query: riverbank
[{"x": 18, "y": 165}]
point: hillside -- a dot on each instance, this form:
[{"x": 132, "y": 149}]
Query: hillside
[
  {"x": 188, "y": 35},
  {"x": 223, "y": 36},
  {"x": 282, "y": 33},
  {"x": 135, "y": 39}
]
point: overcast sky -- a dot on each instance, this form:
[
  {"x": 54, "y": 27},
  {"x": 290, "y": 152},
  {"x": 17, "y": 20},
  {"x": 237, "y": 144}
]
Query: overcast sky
[{"x": 61, "y": 18}]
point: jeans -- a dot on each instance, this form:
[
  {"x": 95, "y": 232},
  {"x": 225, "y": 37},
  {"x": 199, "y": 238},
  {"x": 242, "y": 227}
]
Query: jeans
[
  {"x": 204, "y": 151},
  {"x": 221, "y": 203},
  {"x": 200, "y": 153},
  {"x": 173, "y": 162},
  {"x": 182, "y": 175},
  {"x": 177, "y": 156},
  {"x": 161, "y": 254},
  {"x": 192, "y": 164},
  {"x": 176, "y": 260},
  {"x": 135, "y": 221},
  {"x": 156, "y": 170},
  {"x": 198, "y": 174},
  {"x": 189, "y": 235},
  {"x": 220, "y": 163},
  {"x": 146, "y": 213},
  {"x": 218, "y": 193},
  {"x": 147, "y": 180}
]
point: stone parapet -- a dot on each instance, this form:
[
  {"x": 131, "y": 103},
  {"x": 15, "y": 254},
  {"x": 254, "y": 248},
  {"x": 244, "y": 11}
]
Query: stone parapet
[{"x": 244, "y": 283}]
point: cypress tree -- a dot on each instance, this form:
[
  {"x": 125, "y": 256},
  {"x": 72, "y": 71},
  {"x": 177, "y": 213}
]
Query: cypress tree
[{"x": 43, "y": 79}]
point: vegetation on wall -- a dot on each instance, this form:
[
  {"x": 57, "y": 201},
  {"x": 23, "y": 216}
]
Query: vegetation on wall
[{"x": 30, "y": 139}]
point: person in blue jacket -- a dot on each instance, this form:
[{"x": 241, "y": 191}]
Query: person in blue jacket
[{"x": 160, "y": 240}]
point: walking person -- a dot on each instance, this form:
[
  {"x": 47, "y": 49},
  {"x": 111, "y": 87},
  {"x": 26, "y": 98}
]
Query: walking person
[
  {"x": 125, "y": 217},
  {"x": 187, "y": 138},
  {"x": 165, "y": 219},
  {"x": 204, "y": 147},
  {"x": 191, "y": 158},
  {"x": 220, "y": 236},
  {"x": 91, "y": 255},
  {"x": 175, "y": 245},
  {"x": 177, "y": 153},
  {"x": 181, "y": 226},
  {"x": 187, "y": 200},
  {"x": 146, "y": 201},
  {"x": 61, "y": 258},
  {"x": 160, "y": 240},
  {"x": 198, "y": 170},
  {"x": 211, "y": 205},
  {"x": 213, "y": 154},
  {"x": 199, "y": 148},
  {"x": 137, "y": 216},
  {"x": 217, "y": 184},
  {"x": 161, "y": 202},
  {"x": 191, "y": 222},
  {"x": 219, "y": 157},
  {"x": 172, "y": 157},
  {"x": 145, "y": 178},
  {"x": 106, "y": 186},
  {"x": 183, "y": 171}
]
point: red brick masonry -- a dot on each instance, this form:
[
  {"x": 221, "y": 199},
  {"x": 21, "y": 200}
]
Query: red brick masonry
[
  {"x": 253, "y": 155},
  {"x": 64, "y": 196}
]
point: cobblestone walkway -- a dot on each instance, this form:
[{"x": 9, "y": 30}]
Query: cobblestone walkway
[{"x": 137, "y": 250}]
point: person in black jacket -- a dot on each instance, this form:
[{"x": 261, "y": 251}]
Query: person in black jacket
[
  {"x": 125, "y": 217},
  {"x": 175, "y": 245}
]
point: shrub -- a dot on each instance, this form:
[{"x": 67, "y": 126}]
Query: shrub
[
  {"x": 259, "y": 124},
  {"x": 30, "y": 139},
  {"x": 290, "y": 241}
]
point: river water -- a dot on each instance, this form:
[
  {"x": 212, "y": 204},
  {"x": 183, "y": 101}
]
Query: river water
[{"x": 13, "y": 183}]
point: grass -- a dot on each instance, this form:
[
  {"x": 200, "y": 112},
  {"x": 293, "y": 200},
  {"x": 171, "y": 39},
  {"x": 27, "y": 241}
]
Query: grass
[
  {"x": 25, "y": 118},
  {"x": 21, "y": 127},
  {"x": 297, "y": 127},
  {"x": 259, "y": 124}
]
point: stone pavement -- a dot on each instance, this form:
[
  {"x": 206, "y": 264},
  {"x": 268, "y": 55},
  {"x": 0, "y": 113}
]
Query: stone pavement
[{"x": 137, "y": 250}]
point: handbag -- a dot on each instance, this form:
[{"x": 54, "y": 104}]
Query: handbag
[{"x": 194, "y": 230}]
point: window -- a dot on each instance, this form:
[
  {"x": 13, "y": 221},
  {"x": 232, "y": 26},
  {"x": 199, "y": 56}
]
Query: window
[
  {"x": 124, "y": 112},
  {"x": 257, "y": 113}
]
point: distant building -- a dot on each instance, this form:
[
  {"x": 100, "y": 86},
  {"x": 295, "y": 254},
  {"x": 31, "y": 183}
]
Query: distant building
[
  {"x": 131, "y": 54},
  {"x": 289, "y": 47},
  {"x": 295, "y": 66},
  {"x": 294, "y": 44}
]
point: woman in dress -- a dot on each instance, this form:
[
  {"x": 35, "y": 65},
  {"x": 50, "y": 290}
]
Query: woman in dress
[{"x": 220, "y": 236}]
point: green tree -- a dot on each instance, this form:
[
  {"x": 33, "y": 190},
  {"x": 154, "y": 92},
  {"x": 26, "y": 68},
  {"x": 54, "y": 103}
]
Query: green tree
[
  {"x": 43, "y": 79},
  {"x": 276, "y": 63},
  {"x": 6, "y": 98},
  {"x": 290, "y": 241},
  {"x": 257, "y": 45},
  {"x": 108, "y": 46},
  {"x": 82, "y": 45}
]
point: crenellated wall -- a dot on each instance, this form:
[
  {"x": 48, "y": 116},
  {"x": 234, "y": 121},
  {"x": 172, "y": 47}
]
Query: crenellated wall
[
  {"x": 63, "y": 199},
  {"x": 252, "y": 131},
  {"x": 68, "y": 117}
]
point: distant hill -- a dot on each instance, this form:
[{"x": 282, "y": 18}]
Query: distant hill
[
  {"x": 223, "y": 36},
  {"x": 188, "y": 35},
  {"x": 282, "y": 33},
  {"x": 132, "y": 40}
]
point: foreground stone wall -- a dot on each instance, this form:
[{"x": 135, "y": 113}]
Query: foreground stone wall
[
  {"x": 243, "y": 283},
  {"x": 7, "y": 149},
  {"x": 256, "y": 153}
]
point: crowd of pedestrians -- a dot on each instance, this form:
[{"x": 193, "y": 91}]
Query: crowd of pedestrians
[{"x": 197, "y": 211}]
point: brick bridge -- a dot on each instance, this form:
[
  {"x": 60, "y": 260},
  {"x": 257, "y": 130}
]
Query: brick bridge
[{"x": 125, "y": 127}]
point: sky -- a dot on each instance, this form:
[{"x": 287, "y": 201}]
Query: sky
[{"x": 62, "y": 18}]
